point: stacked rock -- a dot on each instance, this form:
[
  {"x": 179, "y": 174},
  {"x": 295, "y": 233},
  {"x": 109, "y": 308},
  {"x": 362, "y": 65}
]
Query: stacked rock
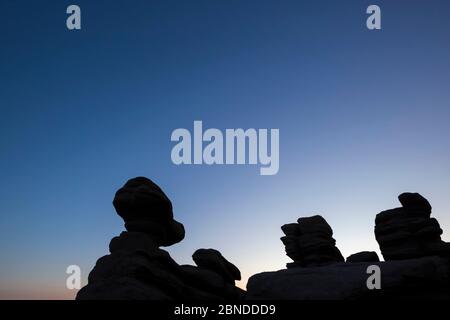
[
  {"x": 409, "y": 232},
  {"x": 138, "y": 269},
  {"x": 310, "y": 243}
]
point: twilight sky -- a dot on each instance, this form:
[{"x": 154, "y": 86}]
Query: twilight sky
[{"x": 363, "y": 116}]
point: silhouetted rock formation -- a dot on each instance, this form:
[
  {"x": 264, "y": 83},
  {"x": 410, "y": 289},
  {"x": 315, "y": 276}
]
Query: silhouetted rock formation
[
  {"x": 213, "y": 260},
  {"x": 138, "y": 269},
  {"x": 424, "y": 278},
  {"x": 409, "y": 232},
  {"x": 145, "y": 208},
  {"x": 364, "y": 256},
  {"x": 417, "y": 266},
  {"x": 310, "y": 243},
  {"x": 403, "y": 234}
]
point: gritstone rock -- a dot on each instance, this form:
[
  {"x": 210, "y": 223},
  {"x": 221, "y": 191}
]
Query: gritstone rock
[
  {"x": 309, "y": 242},
  {"x": 409, "y": 231},
  {"x": 213, "y": 260},
  {"x": 138, "y": 268},
  {"x": 423, "y": 278},
  {"x": 145, "y": 208}
]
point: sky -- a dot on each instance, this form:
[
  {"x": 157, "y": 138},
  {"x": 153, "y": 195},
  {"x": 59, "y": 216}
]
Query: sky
[{"x": 363, "y": 116}]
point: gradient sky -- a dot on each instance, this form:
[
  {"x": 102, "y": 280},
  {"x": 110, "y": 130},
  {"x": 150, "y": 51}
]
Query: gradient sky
[{"x": 363, "y": 116}]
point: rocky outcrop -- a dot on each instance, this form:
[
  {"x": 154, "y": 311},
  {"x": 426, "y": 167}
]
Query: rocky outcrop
[
  {"x": 309, "y": 242},
  {"x": 417, "y": 266},
  {"x": 409, "y": 231},
  {"x": 427, "y": 277},
  {"x": 138, "y": 268},
  {"x": 417, "y": 262}
]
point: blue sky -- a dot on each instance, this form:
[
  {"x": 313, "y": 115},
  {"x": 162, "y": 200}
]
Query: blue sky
[{"x": 363, "y": 116}]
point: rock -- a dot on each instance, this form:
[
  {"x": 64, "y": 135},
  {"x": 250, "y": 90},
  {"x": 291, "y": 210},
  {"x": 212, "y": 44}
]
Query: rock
[
  {"x": 132, "y": 241},
  {"x": 144, "y": 271},
  {"x": 291, "y": 229},
  {"x": 314, "y": 225},
  {"x": 204, "y": 278},
  {"x": 309, "y": 242},
  {"x": 415, "y": 201},
  {"x": 138, "y": 269},
  {"x": 145, "y": 208},
  {"x": 364, "y": 256},
  {"x": 422, "y": 278},
  {"x": 409, "y": 232},
  {"x": 123, "y": 288},
  {"x": 213, "y": 260},
  {"x": 212, "y": 282}
]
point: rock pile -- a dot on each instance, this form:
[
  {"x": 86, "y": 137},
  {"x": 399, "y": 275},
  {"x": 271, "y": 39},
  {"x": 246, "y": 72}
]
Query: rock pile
[
  {"x": 138, "y": 269},
  {"x": 309, "y": 242},
  {"x": 409, "y": 232}
]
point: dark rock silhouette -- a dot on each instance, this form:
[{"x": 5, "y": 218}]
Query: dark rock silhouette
[
  {"x": 145, "y": 208},
  {"x": 424, "y": 278},
  {"x": 310, "y": 243},
  {"x": 409, "y": 232},
  {"x": 213, "y": 260},
  {"x": 138, "y": 269},
  {"x": 418, "y": 266},
  {"x": 364, "y": 256}
]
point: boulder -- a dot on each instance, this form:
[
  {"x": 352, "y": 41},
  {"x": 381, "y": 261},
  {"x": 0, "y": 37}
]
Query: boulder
[
  {"x": 213, "y": 260},
  {"x": 364, "y": 256},
  {"x": 145, "y": 208}
]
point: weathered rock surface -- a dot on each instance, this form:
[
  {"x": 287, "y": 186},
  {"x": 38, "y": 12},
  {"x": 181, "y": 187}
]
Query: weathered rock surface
[
  {"x": 409, "y": 232},
  {"x": 427, "y": 277},
  {"x": 309, "y": 242},
  {"x": 138, "y": 269}
]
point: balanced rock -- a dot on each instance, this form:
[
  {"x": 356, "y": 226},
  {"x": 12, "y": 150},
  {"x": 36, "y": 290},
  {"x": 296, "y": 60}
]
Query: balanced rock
[
  {"x": 414, "y": 202},
  {"x": 409, "y": 231},
  {"x": 309, "y": 242},
  {"x": 363, "y": 256},
  {"x": 145, "y": 208},
  {"x": 137, "y": 268}
]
